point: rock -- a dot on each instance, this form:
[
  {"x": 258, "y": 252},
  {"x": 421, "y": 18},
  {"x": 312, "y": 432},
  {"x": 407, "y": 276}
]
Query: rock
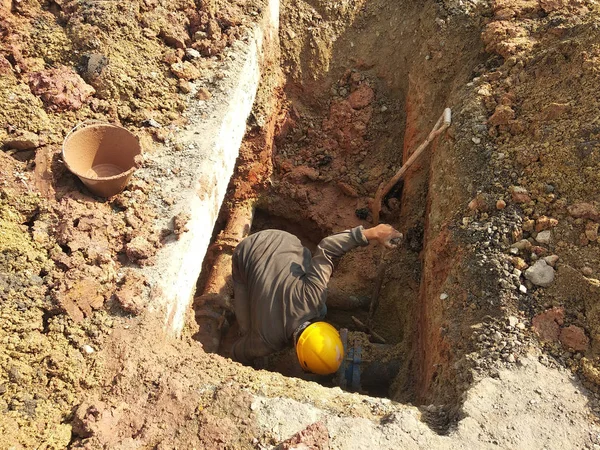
[
  {"x": 522, "y": 289},
  {"x": 528, "y": 225},
  {"x": 60, "y": 88},
  {"x": 519, "y": 194},
  {"x": 547, "y": 324},
  {"x": 151, "y": 123},
  {"x": 139, "y": 248},
  {"x": 88, "y": 349},
  {"x": 192, "y": 53},
  {"x": 184, "y": 86},
  {"x": 479, "y": 203},
  {"x": 591, "y": 231},
  {"x": 545, "y": 223},
  {"x": 476, "y": 140},
  {"x": 361, "y": 97},
  {"x": 200, "y": 36},
  {"x": 523, "y": 244},
  {"x": 129, "y": 294},
  {"x": 302, "y": 174},
  {"x": 315, "y": 436},
  {"x": 544, "y": 237},
  {"x": 92, "y": 66},
  {"x": 172, "y": 56},
  {"x": 540, "y": 274},
  {"x": 502, "y": 115},
  {"x": 551, "y": 260},
  {"x": 555, "y": 110},
  {"x": 81, "y": 298},
  {"x": 500, "y": 204},
  {"x": 203, "y": 94},
  {"x": 512, "y": 321},
  {"x": 180, "y": 222},
  {"x": 587, "y": 271},
  {"x": 527, "y": 155},
  {"x": 519, "y": 263},
  {"x": 185, "y": 70},
  {"x": 174, "y": 35},
  {"x": 347, "y": 189},
  {"x": 25, "y": 141},
  {"x": 553, "y": 5},
  {"x": 584, "y": 211},
  {"x": 573, "y": 338}
]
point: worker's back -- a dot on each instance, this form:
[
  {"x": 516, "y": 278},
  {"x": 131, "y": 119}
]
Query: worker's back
[{"x": 279, "y": 285}]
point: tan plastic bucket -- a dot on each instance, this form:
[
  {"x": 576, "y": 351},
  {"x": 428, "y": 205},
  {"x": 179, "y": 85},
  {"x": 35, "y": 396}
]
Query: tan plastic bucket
[{"x": 102, "y": 155}]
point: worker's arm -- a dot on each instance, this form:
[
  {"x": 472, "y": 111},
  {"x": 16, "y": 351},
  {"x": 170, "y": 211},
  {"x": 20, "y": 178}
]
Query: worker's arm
[
  {"x": 249, "y": 347},
  {"x": 383, "y": 234},
  {"x": 335, "y": 246}
]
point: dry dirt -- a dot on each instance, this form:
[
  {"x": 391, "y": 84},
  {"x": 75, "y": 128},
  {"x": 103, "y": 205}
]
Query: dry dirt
[{"x": 513, "y": 181}]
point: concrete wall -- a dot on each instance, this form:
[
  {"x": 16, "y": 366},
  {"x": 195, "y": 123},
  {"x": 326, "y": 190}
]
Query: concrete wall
[{"x": 209, "y": 146}]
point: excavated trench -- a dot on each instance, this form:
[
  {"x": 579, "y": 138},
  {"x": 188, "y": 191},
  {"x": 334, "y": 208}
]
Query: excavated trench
[{"x": 353, "y": 107}]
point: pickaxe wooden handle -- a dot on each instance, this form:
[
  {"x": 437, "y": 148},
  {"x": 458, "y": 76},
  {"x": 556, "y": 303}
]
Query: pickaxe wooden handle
[{"x": 442, "y": 124}]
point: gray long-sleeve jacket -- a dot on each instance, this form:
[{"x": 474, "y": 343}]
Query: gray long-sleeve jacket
[{"x": 278, "y": 285}]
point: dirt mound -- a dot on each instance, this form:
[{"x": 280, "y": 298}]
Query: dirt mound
[{"x": 63, "y": 251}]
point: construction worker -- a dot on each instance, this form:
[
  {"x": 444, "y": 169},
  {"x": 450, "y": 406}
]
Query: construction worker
[{"x": 280, "y": 291}]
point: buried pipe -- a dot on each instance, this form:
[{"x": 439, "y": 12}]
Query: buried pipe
[
  {"x": 215, "y": 302},
  {"x": 366, "y": 368}
]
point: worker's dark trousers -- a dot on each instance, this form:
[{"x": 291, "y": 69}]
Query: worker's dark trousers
[{"x": 241, "y": 301}]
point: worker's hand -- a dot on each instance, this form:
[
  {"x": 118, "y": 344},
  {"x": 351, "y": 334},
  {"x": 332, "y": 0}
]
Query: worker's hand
[{"x": 384, "y": 234}]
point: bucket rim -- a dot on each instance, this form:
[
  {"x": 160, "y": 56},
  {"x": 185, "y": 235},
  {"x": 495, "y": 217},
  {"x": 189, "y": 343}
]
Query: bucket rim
[{"x": 97, "y": 124}]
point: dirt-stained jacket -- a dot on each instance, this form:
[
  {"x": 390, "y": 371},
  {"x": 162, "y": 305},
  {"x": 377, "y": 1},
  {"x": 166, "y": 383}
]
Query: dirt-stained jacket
[{"x": 278, "y": 285}]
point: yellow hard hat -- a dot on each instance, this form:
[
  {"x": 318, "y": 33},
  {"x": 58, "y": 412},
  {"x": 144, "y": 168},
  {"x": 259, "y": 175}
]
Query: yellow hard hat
[{"x": 319, "y": 349}]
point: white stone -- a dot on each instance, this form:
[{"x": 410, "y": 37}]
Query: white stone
[
  {"x": 513, "y": 321},
  {"x": 544, "y": 237},
  {"x": 88, "y": 349},
  {"x": 522, "y": 289},
  {"x": 476, "y": 140},
  {"x": 540, "y": 274},
  {"x": 192, "y": 53},
  {"x": 443, "y": 296}
]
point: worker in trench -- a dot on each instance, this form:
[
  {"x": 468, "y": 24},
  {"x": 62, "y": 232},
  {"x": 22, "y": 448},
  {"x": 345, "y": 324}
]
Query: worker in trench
[{"x": 280, "y": 293}]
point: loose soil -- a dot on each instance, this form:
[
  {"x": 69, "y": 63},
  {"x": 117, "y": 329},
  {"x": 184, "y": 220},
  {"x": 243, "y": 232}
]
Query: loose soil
[{"x": 509, "y": 184}]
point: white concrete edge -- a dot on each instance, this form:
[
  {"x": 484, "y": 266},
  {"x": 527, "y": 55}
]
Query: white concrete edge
[{"x": 179, "y": 263}]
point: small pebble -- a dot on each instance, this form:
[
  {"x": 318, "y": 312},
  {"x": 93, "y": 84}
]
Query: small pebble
[
  {"x": 192, "y": 53},
  {"x": 88, "y": 349},
  {"x": 587, "y": 271},
  {"x": 522, "y": 289},
  {"x": 476, "y": 140},
  {"x": 500, "y": 204},
  {"x": 544, "y": 237}
]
